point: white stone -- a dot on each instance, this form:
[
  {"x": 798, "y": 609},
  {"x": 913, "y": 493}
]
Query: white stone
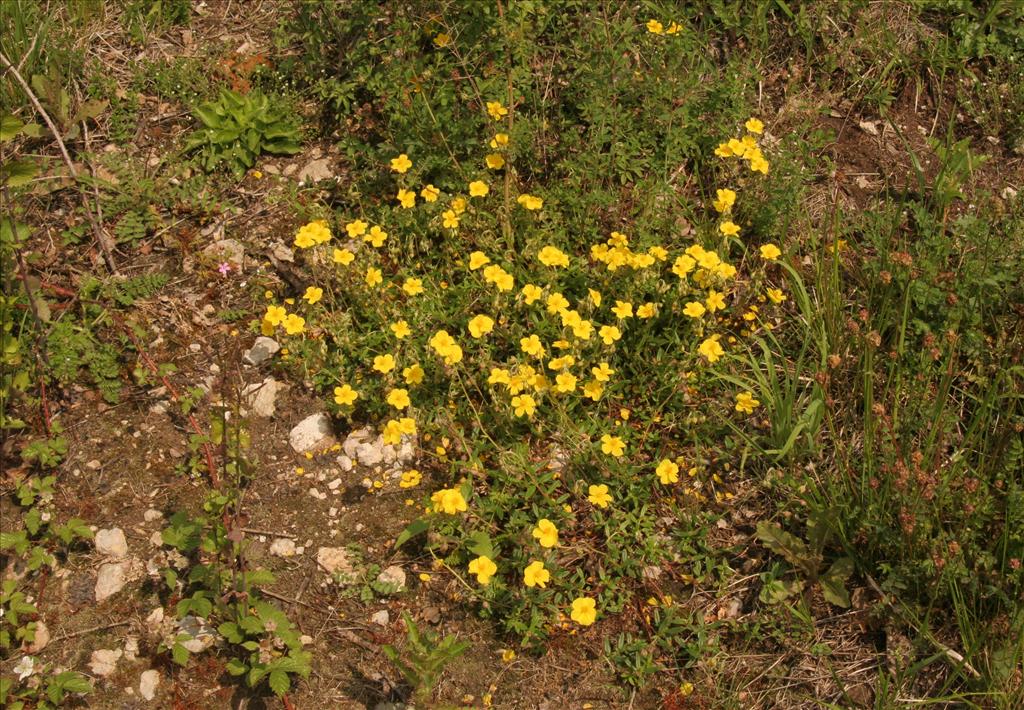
[
  {"x": 313, "y": 432},
  {"x": 41, "y": 640},
  {"x": 148, "y": 683},
  {"x": 316, "y": 170},
  {"x": 261, "y": 397},
  {"x": 155, "y": 619},
  {"x": 103, "y": 662},
  {"x": 393, "y": 576},
  {"x": 345, "y": 463},
  {"x": 334, "y": 560},
  {"x": 131, "y": 648},
  {"x": 112, "y": 543},
  {"x": 261, "y": 351},
  {"x": 1008, "y": 193},
  {"x": 283, "y": 547},
  {"x": 110, "y": 580},
  {"x": 151, "y": 515},
  {"x": 371, "y": 454},
  {"x": 333, "y": 485},
  {"x": 354, "y": 440},
  {"x": 227, "y": 250},
  {"x": 381, "y": 618}
]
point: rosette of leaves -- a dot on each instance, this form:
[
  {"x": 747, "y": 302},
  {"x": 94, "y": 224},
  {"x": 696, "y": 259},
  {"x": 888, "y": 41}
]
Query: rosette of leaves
[{"x": 239, "y": 128}]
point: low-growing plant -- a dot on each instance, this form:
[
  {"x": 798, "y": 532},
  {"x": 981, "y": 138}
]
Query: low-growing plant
[
  {"x": 238, "y": 128},
  {"x": 423, "y": 658}
]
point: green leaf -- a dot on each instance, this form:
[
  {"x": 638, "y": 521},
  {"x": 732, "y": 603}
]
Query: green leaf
[
  {"x": 231, "y": 632},
  {"x": 480, "y": 544},
  {"x": 236, "y": 667},
  {"x": 10, "y": 126},
  {"x": 180, "y": 654},
  {"x": 16, "y": 173},
  {"x": 416, "y": 527},
  {"x": 279, "y": 682},
  {"x": 73, "y": 682},
  {"x": 833, "y": 582},
  {"x": 790, "y": 547}
]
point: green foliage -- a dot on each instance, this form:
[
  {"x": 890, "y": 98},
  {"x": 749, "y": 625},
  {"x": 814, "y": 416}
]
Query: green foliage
[
  {"x": 143, "y": 17},
  {"x": 73, "y": 348},
  {"x": 46, "y": 691},
  {"x": 806, "y": 558},
  {"x": 275, "y": 649},
  {"x": 424, "y": 657},
  {"x": 238, "y": 128},
  {"x": 40, "y": 537}
]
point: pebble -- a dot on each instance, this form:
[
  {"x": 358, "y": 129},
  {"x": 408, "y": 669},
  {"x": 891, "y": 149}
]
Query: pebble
[
  {"x": 261, "y": 397},
  {"x": 110, "y": 580},
  {"x": 148, "y": 683},
  {"x": 151, "y": 515},
  {"x": 345, "y": 463},
  {"x": 334, "y": 559},
  {"x": 313, "y": 432},
  {"x": 283, "y": 547},
  {"x": 394, "y": 576},
  {"x": 333, "y": 485},
  {"x": 112, "y": 543},
  {"x": 104, "y": 661},
  {"x": 316, "y": 170},
  {"x": 381, "y": 618},
  {"x": 227, "y": 250},
  {"x": 261, "y": 351}
]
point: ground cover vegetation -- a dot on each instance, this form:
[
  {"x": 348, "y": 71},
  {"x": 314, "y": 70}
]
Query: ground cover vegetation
[{"x": 700, "y": 325}]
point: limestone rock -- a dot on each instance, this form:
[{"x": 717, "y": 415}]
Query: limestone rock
[
  {"x": 394, "y": 577},
  {"x": 261, "y": 397},
  {"x": 104, "y": 661},
  {"x": 148, "y": 683},
  {"x": 313, "y": 432},
  {"x": 112, "y": 543},
  {"x": 260, "y": 351},
  {"x": 111, "y": 579}
]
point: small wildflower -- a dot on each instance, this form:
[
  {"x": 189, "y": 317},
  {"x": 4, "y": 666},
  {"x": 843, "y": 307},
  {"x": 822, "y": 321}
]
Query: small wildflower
[
  {"x": 430, "y": 193},
  {"x": 729, "y": 228},
  {"x": 535, "y": 575},
  {"x": 384, "y": 363},
  {"x": 343, "y": 257},
  {"x": 398, "y": 398},
  {"x": 655, "y": 27},
  {"x": 313, "y": 294},
  {"x": 449, "y": 500},
  {"x": 374, "y": 277},
  {"x": 401, "y": 329},
  {"x": 406, "y": 198},
  {"x": 770, "y": 252},
  {"x": 584, "y": 611},
  {"x": 345, "y": 395},
  {"x": 484, "y": 568},
  {"x": 480, "y": 325},
  {"x": 754, "y": 125},
  {"x": 413, "y": 286},
  {"x": 613, "y": 445},
  {"x": 478, "y": 188},
  {"x": 495, "y": 161},
  {"x": 413, "y": 374},
  {"x": 546, "y": 533},
  {"x": 598, "y": 495},
  {"x": 496, "y": 111},
  {"x": 668, "y": 472},
  {"x": 401, "y": 164},
  {"x": 746, "y": 403},
  {"x": 294, "y": 324}
]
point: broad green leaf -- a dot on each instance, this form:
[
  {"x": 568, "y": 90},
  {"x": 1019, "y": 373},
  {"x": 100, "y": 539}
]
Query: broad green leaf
[
  {"x": 833, "y": 582},
  {"x": 416, "y": 527},
  {"x": 791, "y": 548}
]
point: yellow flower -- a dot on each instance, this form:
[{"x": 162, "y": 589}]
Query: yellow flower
[
  {"x": 499, "y": 376},
  {"x": 524, "y": 405},
  {"x": 565, "y": 382},
  {"x": 313, "y": 294},
  {"x": 599, "y": 495},
  {"x": 726, "y": 199},
  {"x": 694, "y": 309},
  {"x": 595, "y": 297},
  {"x": 613, "y": 445},
  {"x": 445, "y": 346},
  {"x": 407, "y": 198},
  {"x": 312, "y": 234},
  {"x": 729, "y": 228},
  {"x": 602, "y": 373},
  {"x": 530, "y": 202},
  {"x": 401, "y": 329},
  {"x": 673, "y": 28},
  {"x": 647, "y": 310},
  {"x": 754, "y": 125},
  {"x": 593, "y": 389},
  {"x": 536, "y": 576},
  {"x": 343, "y": 257},
  {"x": 776, "y": 295},
  {"x": 442, "y": 40},
  {"x": 410, "y": 479},
  {"x": 668, "y": 471},
  {"x": 401, "y": 163},
  {"x": 655, "y": 27},
  {"x": 746, "y": 403},
  {"x": 495, "y": 161},
  {"x": 683, "y": 265},
  {"x": 556, "y": 303},
  {"x": 553, "y": 256},
  {"x": 356, "y": 228},
  {"x": 500, "y": 140},
  {"x": 294, "y": 324},
  {"x": 345, "y": 395},
  {"x": 496, "y": 110},
  {"x": 531, "y": 345},
  {"x": 413, "y": 374},
  {"x": 407, "y": 425},
  {"x": 725, "y": 271},
  {"x": 770, "y": 252},
  {"x": 275, "y": 315},
  {"x": 398, "y": 398},
  {"x": 459, "y": 205},
  {"x": 584, "y": 611},
  {"x": 715, "y": 301},
  {"x": 659, "y": 253},
  {"x": 759, "y": 165},
  {"x": 413, "y": 286},
  {"x": 480, "y": 325},
  {"x": 384, "y": 363},
  {"x": 430, "y": 193},
  {"x": 623, "y": 309},
  {"x": 450, "y": 219},
  {"x": 478, "y": 188},
  {"x": 373, "y": 277},
  {"x": 376, "y": 237},
  {"x": 724, "y": 150},
  {"x": 531, "y": 293},
  {"x": 478, "y": 259},
  {"x": 711, "y": 349},
  {"x": 583, "y": 330},
  {"x": 503, "y": 280},
  {"x": 546, "y": 533},
  {"x": 484, "y": 568},
  {"x": 609, "y": 334},
  {"x": 449, "y": 500}
]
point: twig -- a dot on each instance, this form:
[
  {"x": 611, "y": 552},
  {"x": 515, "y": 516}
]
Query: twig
[
  {"x": 282, "y": 598},
  {"x": 101, "y": 238},
  {"x": 254, "y": 531},
  {"x": 83, "y": 632}
]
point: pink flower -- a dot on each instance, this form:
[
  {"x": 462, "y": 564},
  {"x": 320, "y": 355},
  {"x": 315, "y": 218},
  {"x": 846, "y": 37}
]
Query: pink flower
[{"x": 224, "y": 268}]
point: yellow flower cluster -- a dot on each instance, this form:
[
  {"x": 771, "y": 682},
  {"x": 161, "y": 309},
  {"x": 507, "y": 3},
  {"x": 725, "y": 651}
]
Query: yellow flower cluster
[{"x": 746, "y": 147}]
